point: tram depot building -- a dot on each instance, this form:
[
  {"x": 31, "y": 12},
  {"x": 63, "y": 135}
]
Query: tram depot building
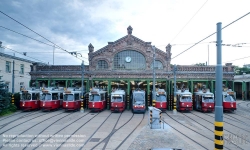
[{"x": 127, "y": 63}]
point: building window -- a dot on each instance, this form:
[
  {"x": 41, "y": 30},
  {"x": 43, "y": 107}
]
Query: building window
[
  {"x": 8, "y": 67},
  {"x": 102, "y": 64},
  {"x": 158, "y": 65},
  {"x": 22, "y": 69},
  {"x": 129, "y": 60}
]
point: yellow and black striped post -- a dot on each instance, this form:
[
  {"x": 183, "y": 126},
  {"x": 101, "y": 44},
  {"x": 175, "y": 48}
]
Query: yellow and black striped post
[
  {"x": 218, "y": 135},
  {"x": 174, "y": 105},
  {"x": 151, "y": 117},
  {"x": 153, "y": 103},
  {"x": 128, "y": 102},
  {"x": 160, "y": 118},
  {"x": 13, "y": 100},
  {"x": 82, "y": 107}
]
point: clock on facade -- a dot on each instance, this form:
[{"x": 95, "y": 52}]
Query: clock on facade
[{"x": 128, "y": 59}]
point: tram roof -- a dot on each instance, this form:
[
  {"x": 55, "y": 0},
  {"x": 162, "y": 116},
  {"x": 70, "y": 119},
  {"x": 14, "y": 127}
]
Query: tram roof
[
  {"x": 183, "y": 92},
  {"x": 119, "y": 91}
]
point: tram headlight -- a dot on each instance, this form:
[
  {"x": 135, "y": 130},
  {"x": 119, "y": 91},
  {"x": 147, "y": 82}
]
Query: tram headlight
[{"x": 66, "y": 105}]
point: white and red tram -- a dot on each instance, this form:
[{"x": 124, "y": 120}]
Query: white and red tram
[
  {"x": 204, "y": 100},
  {"x": 30, "y": 99},
  {"x": 97, "y": 99},
  {"x": 184, "y": 100},
  {"x": 72, "y": 99},
  {"x": 118, "y": 102}
]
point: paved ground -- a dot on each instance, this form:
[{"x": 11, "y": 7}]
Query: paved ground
[{"x": 75, "y": 130}]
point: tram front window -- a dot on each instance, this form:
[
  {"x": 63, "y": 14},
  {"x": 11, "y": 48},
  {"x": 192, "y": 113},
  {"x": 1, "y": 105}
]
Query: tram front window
[
  {"x": 46, "y": 97},
  {"x": 186, "y": 99},
  {"x": 116, "y": 99},
  {"x": 139, "y": 98},
  {"x": 228, "y": 98},
  {"x": 25, "y": 97},
  {"x": 208, "y": 99},
  {"x": 160, "y": 98},
  {"x": 68, "y": 97},
  {"x": 94, "y": 98}
]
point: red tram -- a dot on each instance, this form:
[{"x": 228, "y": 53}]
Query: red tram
[
  {"x": 161, "y": 100},
  {"x": 184, "y": 100},
  {"x": 204, "y": 101},
  {"x": 51, "y": 99},
  {"x": 138, "y": 101},
  {"x": 97, "y": 99},
  {"x": 118, "y": 102},
  {"x": 71, "y": 99},
  {"x": 229, "y": 100},
  {"x": 29, "y": 99}
]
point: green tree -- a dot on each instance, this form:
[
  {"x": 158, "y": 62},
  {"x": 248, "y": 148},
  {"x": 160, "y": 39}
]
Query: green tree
[
  {"x": 5, "y": 100},
  {"x": 240, "y": 70}
]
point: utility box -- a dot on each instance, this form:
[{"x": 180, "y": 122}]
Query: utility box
[{"x": 154, "y": 118}]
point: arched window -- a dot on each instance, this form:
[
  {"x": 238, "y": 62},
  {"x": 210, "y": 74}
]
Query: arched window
[
  {"x": 158, "y": 65},
  {"x": 102, "y": 64},
  {"x": 129, "y": 60}
]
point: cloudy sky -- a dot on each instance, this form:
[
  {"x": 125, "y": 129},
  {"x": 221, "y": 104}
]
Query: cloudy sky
[{"x": 73, "y": 24}]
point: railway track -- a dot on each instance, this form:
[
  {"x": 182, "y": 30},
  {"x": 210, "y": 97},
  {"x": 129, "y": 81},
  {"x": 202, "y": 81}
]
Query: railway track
[
  {"x": 183, "y": 133},
  {"x": 27, "y": 115},
  {"x": 66, "y": 127},
  {"x": 245, "y": 109},
  {"x": 206, "y": 128},
  {"x": 106, "y": 139},
  {"x": 30, "y": 128},
  {"x": 223, "y": 129},
  {"x": 129, "y": 133},
  {"x": 23, "y": 123},
  {"x": 209, "y": 129},
  {"x": 236, "y": 119},
  {"x": 229, "y": 123},
  {"x": 95, "y": 132},
  {"x": 11, "y": 115},
  {"x": 47, "y": 127}
]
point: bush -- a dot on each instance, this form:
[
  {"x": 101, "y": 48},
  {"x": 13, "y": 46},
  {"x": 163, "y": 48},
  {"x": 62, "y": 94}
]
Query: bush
[{"x": 12, "y": 108}]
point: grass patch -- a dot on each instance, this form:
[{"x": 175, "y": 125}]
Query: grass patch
[{"x": 7, "y": 111}]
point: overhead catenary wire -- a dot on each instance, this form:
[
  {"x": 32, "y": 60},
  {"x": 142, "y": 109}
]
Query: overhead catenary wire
[
  {"x": 188, "y": 21},
  {"x": 37, "y": 33},
  {"x": 211, "y": 35},
  {"x": 22, "y": 54},
  {"x": 33, "y": 38},
  {"x": 237, "y": 59}
]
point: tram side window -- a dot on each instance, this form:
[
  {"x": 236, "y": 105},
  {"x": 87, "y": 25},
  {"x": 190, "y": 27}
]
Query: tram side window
[
  {"x": 54, "y": 96},
  {"x": 34, "y": 96},
  {"x": 46, "y": 96},
  {"x": 77, "y": 96},
  {"x": 61, "y": 95}
]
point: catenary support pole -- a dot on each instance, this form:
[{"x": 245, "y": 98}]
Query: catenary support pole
[
  {"x": 174, "y": 107},
  {"x": 154, "y": 96},
  {"x": 218, "y": 124},
  {"x": 13, "y": 77},
  {"x": 82, "y": 105}
]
